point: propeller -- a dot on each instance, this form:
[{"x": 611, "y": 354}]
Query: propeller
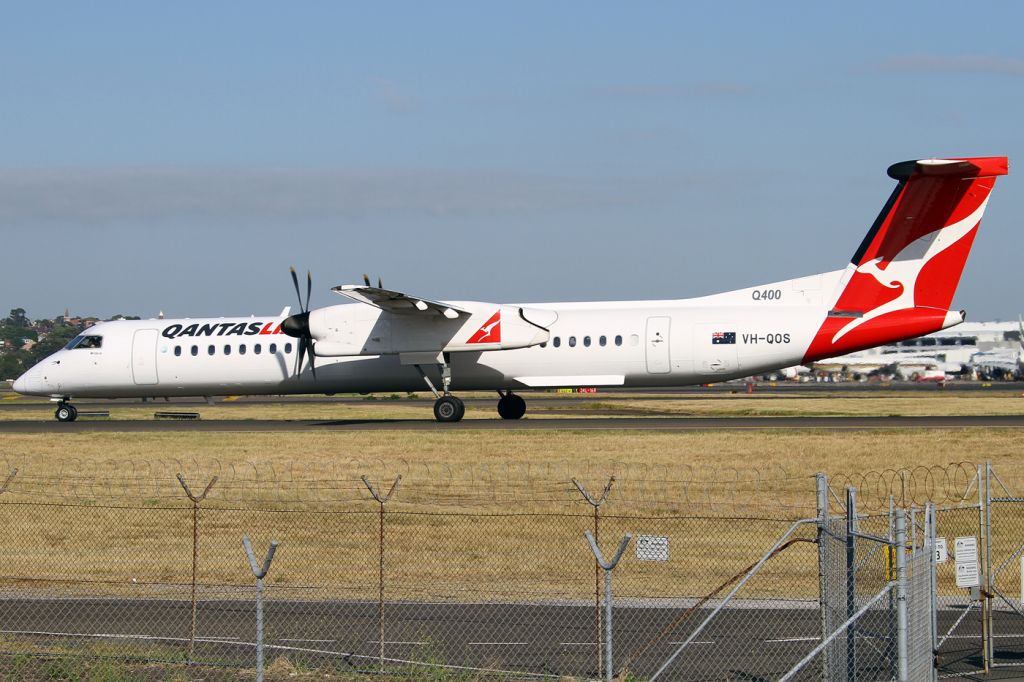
[
  {"x": 366, "y": 279},
  {"x": 297, "y": 326}
]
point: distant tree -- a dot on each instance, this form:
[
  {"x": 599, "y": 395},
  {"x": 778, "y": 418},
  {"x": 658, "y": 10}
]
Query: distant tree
[
  {"x": 11, "y": 365},
  {"x": 17, "y": 318},
  {"x": 16, "y": 334},
  {"x": 54, "y": 341}
]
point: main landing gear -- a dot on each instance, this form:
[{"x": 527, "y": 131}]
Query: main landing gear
[
  {"x": 511, "y": 406},
  {"x": 65, "y": 412},
  {"x": 447, "y": 408}
]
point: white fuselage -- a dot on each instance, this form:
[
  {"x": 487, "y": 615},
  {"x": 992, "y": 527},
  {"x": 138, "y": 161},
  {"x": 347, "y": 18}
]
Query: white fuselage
[{"x": 625, "y": 343}]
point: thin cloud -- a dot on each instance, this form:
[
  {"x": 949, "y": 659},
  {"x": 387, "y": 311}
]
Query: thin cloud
[
  {"x": 933, "y": 63},
  {"x": 154, "y": 193},
  {"x": 394, "y": 97},
  {"x": 672, "y": 91}
]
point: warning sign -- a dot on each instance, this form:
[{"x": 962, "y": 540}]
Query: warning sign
[
  {"x": 967, "y": 573},
  {"x": 652, "y": 548}
]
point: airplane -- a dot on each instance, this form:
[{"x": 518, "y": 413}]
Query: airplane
[{"x": 899, "y": 284}]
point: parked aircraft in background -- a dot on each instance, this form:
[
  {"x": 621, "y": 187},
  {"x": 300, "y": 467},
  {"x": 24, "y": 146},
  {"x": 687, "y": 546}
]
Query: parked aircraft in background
[
  {"x": 975, "y": 349},
  {"x": 899, "y": 284}
]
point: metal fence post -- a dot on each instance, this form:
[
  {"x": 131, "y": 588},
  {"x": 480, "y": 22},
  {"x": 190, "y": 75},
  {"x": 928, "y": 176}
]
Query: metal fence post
[
  {"x": 195, "y": 555},
  {"x": 890, "y": 568},
  {"x": 901, "y": 595},
  {"x": 260, "y": 573},
  {"x": 596, "y": 504},
  {"x": 821, "y": 485},
  {"x": 984, "y": 496},
  {"x": 933, "y": 589},
  {"x": 380, "y": 553},
  {"x": 851, "y": 582},
  {"x": 987, "y": 545},
  {"x": 608, "y": 566}
]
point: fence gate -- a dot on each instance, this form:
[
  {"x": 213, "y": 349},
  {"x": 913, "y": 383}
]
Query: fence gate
[{"x": 1005, "y": 583}]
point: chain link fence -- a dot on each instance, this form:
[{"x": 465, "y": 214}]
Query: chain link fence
[{"x": 140, "y": 571}]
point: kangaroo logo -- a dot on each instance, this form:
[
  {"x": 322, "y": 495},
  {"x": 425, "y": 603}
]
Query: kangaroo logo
[
  {"x": 490, "y": 332},
  {"x": 903, "y": 270}
]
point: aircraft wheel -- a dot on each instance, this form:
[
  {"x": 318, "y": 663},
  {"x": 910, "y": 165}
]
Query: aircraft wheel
[
  {"x": 511, "y": 406},
  {"x": 66, "y": 413},
  {"x": 449, "y": 409}
]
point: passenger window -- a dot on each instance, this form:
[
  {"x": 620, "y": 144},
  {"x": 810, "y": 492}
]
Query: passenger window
[
  {"x": 227, "y": 349},
  {"x": 177, "y": 351},
  {"x": 586, "y": 341},
  {"x": 544, "y": 344},
  {"x": 634, "y": 339},
  {"x": 211, "y": 349},
  {"x": 557, "y": 342},
  {"x": 257, "y": 349},
  {"x": 618, "y": 340},
  {"x": 603, "y": 341},
  {"x": 287, "y": 348},
  {"x": 572, "y": 342},
  {"x": 273, "y": 348},
  {"x": 195, "y": 351},
  {"x": 241, "y": 349}
]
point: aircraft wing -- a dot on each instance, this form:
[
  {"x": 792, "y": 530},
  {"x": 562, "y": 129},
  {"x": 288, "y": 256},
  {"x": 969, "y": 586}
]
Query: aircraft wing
[{"x": 396, "y": 301}]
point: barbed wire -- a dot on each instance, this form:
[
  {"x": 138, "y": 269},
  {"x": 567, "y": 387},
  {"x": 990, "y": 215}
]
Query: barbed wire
[
  {"x": 338, "y": 481},
  {"x": 954, "y": 484},
  {"x": 495, "y": 483}
]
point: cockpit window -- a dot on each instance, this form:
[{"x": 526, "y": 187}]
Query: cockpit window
[{"x": 90, "y": 341}]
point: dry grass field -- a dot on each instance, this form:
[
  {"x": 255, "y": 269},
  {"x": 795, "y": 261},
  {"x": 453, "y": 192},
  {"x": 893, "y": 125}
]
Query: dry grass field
[{"x": 471, "y": 504}]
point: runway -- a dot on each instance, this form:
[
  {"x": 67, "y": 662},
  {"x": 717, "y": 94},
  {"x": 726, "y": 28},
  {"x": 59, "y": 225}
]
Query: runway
[
  {"x": 751, "y": 642},
  {"x": 528, "y": 424}
]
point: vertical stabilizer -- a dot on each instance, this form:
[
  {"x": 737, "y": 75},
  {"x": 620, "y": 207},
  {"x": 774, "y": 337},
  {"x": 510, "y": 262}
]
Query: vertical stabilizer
[{"x": 900, "y": 282}]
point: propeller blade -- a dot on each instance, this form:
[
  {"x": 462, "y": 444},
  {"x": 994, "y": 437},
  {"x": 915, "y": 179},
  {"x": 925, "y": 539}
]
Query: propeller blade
[
  {"x": 309, "y": 289},
  {"x": 295, "y": 281},
  {"x": 297, "y": 326},
  {"x": 302, "y": 355},
  {"x": 366, "y": 278},
  {"x": 380, "y": 284}
]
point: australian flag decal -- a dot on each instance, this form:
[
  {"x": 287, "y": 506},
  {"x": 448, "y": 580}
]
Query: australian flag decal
[{"x": 723, "y": 337}]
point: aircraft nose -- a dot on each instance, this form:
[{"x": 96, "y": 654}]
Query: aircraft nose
[{"x": 31, "y": 383}]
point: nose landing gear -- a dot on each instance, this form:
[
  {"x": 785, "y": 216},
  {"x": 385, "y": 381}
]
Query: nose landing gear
[{"x": 65, "y": 412}]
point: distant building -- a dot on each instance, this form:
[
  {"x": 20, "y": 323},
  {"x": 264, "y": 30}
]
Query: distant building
[{"x": 971, "y": 349}]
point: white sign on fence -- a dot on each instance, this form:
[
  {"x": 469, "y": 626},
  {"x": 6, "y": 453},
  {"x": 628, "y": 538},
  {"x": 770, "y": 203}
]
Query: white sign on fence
[
  {"x": 941, "y": 551},
  {"x": 967, "y": 574},
  {"x": 652, "y": 548}
]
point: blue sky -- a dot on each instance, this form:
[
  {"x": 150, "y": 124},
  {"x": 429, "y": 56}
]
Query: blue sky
[{"x": 180, "y": 156}]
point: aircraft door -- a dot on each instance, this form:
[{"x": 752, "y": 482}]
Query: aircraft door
[
  {"x": 144, "y": 356},
  {"x": 658, "y": 359}
]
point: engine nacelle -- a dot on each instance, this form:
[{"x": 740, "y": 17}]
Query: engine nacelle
[{"x": 346, "y": 330}]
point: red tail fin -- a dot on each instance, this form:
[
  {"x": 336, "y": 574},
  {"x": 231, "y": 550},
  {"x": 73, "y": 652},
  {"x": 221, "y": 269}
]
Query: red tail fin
[{"x": 901, "y": 281}]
